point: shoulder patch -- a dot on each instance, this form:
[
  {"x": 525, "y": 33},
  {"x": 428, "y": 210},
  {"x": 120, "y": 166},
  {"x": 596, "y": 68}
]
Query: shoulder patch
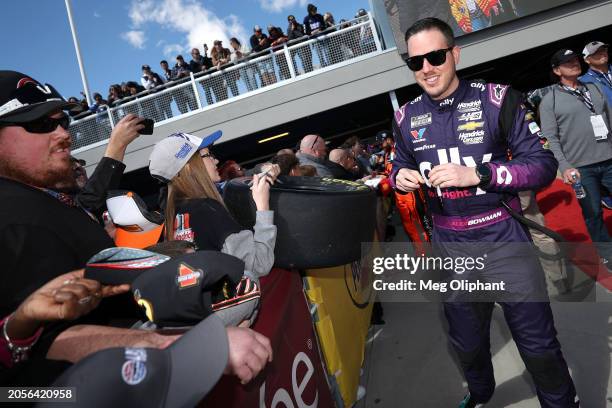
[
  {"x": 497, "y": 93},
  {"x": 400, "y": 114}
]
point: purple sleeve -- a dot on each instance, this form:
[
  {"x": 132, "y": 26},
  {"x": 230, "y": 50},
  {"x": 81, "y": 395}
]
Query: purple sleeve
[
  {"x": 532, "y": 167},
  {"x": 403, "y": 153}
]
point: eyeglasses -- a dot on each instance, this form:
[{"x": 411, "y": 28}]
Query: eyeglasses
[
  {"x": 435, "y": 58},
  {"x": 314, "y": 143},
  {"x": 209, "y": 154},
  {"x": 43, "y": 125}
]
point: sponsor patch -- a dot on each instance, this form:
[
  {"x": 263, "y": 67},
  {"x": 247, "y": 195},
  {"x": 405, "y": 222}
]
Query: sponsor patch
[
  {"x": 183, "y": 151},
  {"x": 182, "y": 230},
  {"x": 447, "y": 102},
  {"x": 473, "y": 137},
  {"x": 187, "y": 276},
  {"x": 470, "y": 126},
  {"x": 417, "y": 134},
  {"x": 134, "y": 369},
  {"x": 534, "y": 128},
  {"x": 472, "y": 106},
  {"x": 420, "y": 121},
  {"x": 478, "y": 85},
  {"x": 470, "y": 116},
  {"x": 497, "y": 93},
  {"x": 529, "y": 116},
  {"x": 424, "y": 147},
  {"x": 417, "y": 99}
]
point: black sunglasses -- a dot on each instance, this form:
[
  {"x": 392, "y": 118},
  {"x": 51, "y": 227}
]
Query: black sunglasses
[
  {"x": 435, "y": 58},
  {"x": 45, "y": 124}
]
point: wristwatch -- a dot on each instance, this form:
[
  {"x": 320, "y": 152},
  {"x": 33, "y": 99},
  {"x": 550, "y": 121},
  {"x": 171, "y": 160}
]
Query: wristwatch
[{"x": 483, "y": 171}]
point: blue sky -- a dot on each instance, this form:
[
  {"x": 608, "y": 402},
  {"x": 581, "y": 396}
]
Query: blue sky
[{"x": 118, "y": 36}]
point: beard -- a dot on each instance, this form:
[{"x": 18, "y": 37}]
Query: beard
[{"x": 50, "y": 178}]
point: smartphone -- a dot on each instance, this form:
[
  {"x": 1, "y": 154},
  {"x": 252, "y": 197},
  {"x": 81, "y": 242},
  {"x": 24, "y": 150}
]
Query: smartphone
[{"x": 148, "y": 127}]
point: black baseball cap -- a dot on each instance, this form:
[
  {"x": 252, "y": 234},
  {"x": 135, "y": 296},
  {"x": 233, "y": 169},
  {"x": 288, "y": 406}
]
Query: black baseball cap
[
  {"x": 115, "y": 266},
  {"x": 23, "y": 99},
  {"x": 182, "y": 291},
  {"x": 562, "y": 56},
  {"x": 178, "y": 376}
]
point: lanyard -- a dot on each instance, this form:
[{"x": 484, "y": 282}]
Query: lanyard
[{"x": 583, "y": 96}]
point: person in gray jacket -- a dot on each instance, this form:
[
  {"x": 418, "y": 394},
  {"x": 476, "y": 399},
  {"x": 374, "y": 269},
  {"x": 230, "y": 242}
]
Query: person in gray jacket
[
  {"x": 575, "y": 119},
  {"x": 196, "y": 212},
  {"x": 313, "y": 152}
]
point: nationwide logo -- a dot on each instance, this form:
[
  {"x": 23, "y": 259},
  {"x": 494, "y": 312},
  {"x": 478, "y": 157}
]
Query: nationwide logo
[
  {"x": 470, "y": 126},
  {"x": 471, "y": 106},
  {"x": 424, "y": 147},
  {"x": 187, "y": 276},
  {"x": 474, "y": 137},
  {"x": 420, "y": 121},
  {"x": 417, "y": 134},
  {"x": 470, "y": 116}
]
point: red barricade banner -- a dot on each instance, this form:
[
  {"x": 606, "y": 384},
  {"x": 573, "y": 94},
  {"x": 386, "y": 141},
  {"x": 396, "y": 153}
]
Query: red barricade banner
[{"x": 295, "y": 378}]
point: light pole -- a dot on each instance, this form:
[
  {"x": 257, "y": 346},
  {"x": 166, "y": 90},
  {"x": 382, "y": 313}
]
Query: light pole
[{"x": 78, "y": 51}]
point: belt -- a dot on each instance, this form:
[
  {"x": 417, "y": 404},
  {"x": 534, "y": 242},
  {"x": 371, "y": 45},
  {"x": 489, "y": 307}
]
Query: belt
[{"x": 485, "y": 219}]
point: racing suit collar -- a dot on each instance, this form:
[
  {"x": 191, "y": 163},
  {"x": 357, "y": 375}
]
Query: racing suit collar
[{"x": 449, "y": 102}]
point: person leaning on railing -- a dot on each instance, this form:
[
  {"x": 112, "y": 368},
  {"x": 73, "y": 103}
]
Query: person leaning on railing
[
  {"x": 277, "y": 39},
  {"x": 247, "y": 73},
  {"x": 295, "y": 31},
  {"x": 221, "y": 57},
  {"x": 259, "y": 42}
]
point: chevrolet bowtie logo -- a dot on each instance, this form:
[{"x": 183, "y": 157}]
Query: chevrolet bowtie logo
[{"x": 470, "y": 126}]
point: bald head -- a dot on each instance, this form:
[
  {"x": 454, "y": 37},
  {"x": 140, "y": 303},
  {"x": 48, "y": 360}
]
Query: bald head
[
  {"x": 338, "y": 155},
  {"x": 313, "y": 145},
  {"x": 344, "y": 158}
]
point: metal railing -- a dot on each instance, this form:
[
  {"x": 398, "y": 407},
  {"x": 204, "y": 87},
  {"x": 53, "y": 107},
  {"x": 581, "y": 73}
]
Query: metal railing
[{"x": 293, "y": 60}]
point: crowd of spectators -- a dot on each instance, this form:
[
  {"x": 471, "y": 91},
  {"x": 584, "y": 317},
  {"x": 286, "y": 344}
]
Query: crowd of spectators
[{"x": 253, "y": 76}]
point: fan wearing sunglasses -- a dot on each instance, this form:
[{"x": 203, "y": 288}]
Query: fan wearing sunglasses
[{"x": 454, "y": 140}]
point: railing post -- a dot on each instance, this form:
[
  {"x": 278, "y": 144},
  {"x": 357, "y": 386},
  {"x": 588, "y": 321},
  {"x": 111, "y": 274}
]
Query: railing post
[
  {"x": 195, "y": 90},
  {"x": 110, "y": 117},
  {"x": 289, "y": 61},
  {"x": 374, "y": 32}
]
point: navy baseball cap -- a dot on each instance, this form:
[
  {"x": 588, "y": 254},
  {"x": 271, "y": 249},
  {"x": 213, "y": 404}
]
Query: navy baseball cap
[
  {"x": 562, "y": 56},
  {"x": 183, "y": 290},
  {"x": 23, "y": 99},
  {"x": 178, "y": 376}
]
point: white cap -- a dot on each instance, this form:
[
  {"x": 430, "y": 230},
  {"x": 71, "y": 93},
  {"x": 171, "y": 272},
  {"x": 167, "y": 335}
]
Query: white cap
[
  {"x": 592, "y": 47},
  {"x": 169, "y": 156}
]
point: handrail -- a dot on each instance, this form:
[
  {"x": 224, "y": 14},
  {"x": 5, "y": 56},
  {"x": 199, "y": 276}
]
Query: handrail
[{"x": 343, "y": 42}]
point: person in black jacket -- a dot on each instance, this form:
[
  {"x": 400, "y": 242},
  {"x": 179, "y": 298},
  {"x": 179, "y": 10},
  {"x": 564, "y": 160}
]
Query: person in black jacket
[
  {"x": 260, "y": 42},
  {"x": 295, "y": 31},
  {"x": 44, "y": 233},
  {"x": 314, "y": 26}
]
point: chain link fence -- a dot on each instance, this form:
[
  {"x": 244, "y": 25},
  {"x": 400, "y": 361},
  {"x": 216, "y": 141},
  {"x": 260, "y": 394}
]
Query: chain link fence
[{"x": 341, "y": 43}]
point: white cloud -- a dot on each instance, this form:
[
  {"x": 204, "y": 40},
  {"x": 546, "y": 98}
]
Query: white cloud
[
  {"x": 190, "y": 17},
  {"x": 172, "y": 50},
  {"x": 96, "y": 14},
  {"x": 135, "y": 37},
  {"x": 276, "y": 6}
]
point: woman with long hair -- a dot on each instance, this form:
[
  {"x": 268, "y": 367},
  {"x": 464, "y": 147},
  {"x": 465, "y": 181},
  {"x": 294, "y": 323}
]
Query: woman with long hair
[{"x": 195, "y": 210}]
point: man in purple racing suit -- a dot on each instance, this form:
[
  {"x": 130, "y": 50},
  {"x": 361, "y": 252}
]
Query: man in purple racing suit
[{"x": 455, "y": 139}]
